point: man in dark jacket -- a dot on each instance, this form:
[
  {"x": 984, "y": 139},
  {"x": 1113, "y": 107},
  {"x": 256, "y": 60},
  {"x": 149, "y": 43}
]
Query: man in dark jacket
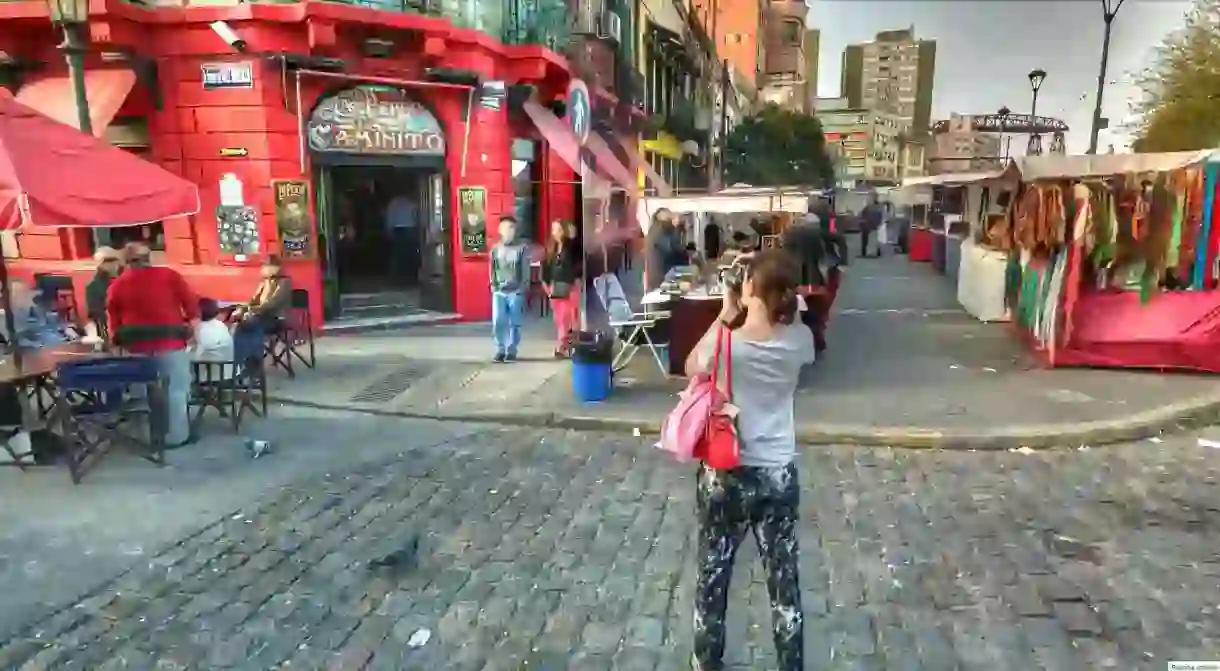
[{"x": 109, "y": 263}]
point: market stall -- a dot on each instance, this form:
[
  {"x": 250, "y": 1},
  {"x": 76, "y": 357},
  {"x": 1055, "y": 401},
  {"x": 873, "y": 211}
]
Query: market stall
[
  {"x": 1113, "y": 260},
  {"x": 692, "y": 295}
]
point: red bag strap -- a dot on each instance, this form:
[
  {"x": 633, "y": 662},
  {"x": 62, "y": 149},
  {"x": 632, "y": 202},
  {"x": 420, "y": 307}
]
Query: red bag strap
[{"x": 723, "y": 336}]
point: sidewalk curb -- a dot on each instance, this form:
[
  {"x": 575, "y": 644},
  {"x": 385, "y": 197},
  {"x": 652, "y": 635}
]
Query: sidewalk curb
[{"x": 1166, "y": 419}]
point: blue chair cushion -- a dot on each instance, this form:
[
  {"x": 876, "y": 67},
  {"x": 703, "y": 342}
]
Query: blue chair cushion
[{"x": 105, "y": 374}]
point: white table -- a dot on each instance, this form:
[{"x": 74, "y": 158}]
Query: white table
[{"x": 658, "y": 297}]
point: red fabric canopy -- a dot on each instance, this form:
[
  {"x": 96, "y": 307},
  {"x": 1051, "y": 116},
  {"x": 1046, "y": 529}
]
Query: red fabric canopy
[{"x": 52, "y": 175}]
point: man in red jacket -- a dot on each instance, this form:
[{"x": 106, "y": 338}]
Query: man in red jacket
[{"x": 152, "y": 311}]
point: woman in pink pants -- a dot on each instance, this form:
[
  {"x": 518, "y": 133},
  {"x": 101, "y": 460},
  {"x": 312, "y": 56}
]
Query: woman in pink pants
[{"x": 561, "y": 278}]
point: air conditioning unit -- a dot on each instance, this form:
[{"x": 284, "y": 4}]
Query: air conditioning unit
[
  {"x": 586, "y": 23},
  {"x": 610, "y": 27}
]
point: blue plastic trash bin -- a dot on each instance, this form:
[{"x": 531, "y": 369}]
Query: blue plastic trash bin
[{"x": 591, "y": 381}]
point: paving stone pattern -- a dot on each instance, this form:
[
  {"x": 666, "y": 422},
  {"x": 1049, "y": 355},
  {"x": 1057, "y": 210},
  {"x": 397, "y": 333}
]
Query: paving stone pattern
[{"x": 553, "y": 550}]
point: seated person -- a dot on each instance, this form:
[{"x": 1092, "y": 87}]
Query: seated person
[
  {"x": 213, "y": 342},
  {"x": 37, "y": 322},
  {"x": 272, "y": 299}
]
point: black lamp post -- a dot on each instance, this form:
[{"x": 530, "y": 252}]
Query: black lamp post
[
  {"x": 72, "y": 16},
  {"x": 1036, "y": 77},
  {"x": 1109, "y": 10}
]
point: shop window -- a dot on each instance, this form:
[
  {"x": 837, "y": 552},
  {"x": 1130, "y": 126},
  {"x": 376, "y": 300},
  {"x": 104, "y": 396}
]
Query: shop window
[{"x": 527, "y": 189}]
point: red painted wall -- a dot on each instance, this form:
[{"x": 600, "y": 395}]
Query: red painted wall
[{"x": 193, "y": 125}]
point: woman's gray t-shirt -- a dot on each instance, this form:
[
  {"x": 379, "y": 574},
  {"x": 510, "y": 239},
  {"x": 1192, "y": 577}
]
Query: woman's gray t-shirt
[{"x": 765, "y": 375}]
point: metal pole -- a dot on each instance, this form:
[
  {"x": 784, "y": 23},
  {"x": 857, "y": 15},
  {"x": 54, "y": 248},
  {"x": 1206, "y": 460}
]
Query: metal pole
[
  {"x": 300, "y": 124},
  {"x": 466, "y": 133},
  {"x": 714, "y": 7},
  {"x": 1101, "y": 80},
  {"x": 75, "y": 47},
  {"x": 725, "y": 85},
  {"x": 1035, "y": 140}
]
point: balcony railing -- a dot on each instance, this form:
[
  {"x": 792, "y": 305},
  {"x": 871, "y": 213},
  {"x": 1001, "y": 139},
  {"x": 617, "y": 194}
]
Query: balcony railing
[{"x": 542, "y": 22}]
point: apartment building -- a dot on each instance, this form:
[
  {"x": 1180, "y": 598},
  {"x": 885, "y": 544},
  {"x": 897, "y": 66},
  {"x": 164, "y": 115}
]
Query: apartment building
[
  {"x": 813, "y": 46},
  {"x": 737, "y": 25},
  {"x": 893, "y": 72},
  {"x": 960, "y": 148},
  {"x": 865, "y": 144},
  {"x": 786, "y": 59}
]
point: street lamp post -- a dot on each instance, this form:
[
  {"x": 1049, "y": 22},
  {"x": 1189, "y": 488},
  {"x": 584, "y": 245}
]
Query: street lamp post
[
  {"x": 1036, "y": 77},
  {"x": 1108, "y": 13},
  {"x": 72, "y": 17}
]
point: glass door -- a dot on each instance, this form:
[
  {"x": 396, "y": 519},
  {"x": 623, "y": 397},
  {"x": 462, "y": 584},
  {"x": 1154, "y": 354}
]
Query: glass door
[
  {"x": 436, "y": 268},
  {"x": 324, "y": 197}
]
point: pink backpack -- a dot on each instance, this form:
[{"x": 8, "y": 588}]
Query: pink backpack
[{"x": 686, "y": 425}]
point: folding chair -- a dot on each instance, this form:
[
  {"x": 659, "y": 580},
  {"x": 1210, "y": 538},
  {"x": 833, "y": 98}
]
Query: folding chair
[
  {"x": 634, "y": 329},
  {"x": 294, "y": 337},
  {"x": 94, "y": 426},
  {"x": 231, "y": 388}
]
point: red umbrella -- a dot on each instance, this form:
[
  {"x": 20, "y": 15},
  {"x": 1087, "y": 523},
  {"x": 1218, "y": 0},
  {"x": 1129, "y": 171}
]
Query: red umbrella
[
  {"x": 55, "y": 176},
  {"x": 52, "y": 175}
]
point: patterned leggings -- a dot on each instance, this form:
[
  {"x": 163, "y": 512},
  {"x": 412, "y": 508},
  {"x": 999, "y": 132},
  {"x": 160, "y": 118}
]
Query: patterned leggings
[{"x": 728, "y": 503}]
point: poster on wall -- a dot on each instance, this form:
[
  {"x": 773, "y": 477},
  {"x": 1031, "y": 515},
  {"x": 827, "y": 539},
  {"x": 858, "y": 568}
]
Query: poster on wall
[
  {"x": 472, "y": 213},
  {"x": 237, "y": 227},
  {"x": 292, "y": 216}
]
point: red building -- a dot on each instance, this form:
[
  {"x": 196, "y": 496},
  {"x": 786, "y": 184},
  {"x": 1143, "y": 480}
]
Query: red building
[{"x": 335, "y": 132}]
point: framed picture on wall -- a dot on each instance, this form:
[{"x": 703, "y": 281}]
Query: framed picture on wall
[{"x": 472, "y": 216}]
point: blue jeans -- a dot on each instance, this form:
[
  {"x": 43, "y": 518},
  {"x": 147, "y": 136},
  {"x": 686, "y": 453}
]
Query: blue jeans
[
  {"x": 175, "y": 368},
  {"x": 506, "y": 311}
]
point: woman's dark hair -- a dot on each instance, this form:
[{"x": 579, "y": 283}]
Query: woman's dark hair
[
  {"x": 209, "y": 309},
  {"x": 556, "y": 247},
  {"x": 773, "y": 276}
]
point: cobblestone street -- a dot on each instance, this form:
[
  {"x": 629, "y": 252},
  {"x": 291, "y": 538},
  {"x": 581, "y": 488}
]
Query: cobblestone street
[{"x": 552, "y": 550}]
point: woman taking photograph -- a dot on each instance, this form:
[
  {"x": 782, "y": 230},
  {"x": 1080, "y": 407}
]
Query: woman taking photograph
[
  {"x": 561, "y": 279},
  {"x": 766, "y": 353}
]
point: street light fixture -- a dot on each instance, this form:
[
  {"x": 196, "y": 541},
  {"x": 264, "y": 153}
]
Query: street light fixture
[
  {"x": 1036, "y": 77},
  {"x": 1109, "y": 10},
  {"x": 1003, "y": 112},
  {"x": 72, "y": 16}
]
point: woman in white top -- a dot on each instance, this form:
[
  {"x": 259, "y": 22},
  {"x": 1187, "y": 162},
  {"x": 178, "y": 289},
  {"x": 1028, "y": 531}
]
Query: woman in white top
[
  {"x": 213, "y": 342},
  {"x": 768, "y": 350}
]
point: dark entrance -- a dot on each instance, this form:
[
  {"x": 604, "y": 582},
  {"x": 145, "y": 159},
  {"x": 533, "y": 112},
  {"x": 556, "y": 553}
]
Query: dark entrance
[{"x": 382, "y": 211}]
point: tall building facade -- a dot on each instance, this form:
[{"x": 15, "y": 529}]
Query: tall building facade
[
  {"x": 813, "y": 46},
  {"x": 864, "y": 144},
  {"x": 786, "y": 60},
  {"x": 737, "y": 25},
  {"x": 962, "y": 149},
  {"x": 894, "y": 72}
]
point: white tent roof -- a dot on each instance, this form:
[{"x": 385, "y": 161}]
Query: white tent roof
[
  {"x": 1059, "y": 166},
  {"x": 953, "y": 178}
]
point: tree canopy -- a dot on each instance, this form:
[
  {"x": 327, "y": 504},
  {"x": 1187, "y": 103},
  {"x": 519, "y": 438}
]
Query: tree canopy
[
  {"x": 778, "y": 147},
  {"x": 1180, "y": 106}
]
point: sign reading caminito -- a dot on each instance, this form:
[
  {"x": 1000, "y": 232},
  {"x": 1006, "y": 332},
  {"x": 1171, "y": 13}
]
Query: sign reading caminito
[{"x": 374, "y": 120}]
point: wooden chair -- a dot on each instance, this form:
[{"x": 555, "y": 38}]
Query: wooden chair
[
  {"x": 94, "y": 426},
  {"x": 293, "y": 339},
  {"x": 231, "y": 387}
]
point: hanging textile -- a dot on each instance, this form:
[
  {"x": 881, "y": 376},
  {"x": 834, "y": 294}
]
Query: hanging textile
[
  {"x": 1202, "y": 265},
  {"x": 1083, "y": 198},
  {"x": 1190, "y": 227},
  {"x": 1180, "y": 186},
  {"x": 1054, "y": 291}
]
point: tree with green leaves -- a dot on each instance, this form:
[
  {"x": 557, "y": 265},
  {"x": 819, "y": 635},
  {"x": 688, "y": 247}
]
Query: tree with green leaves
[
  {"x": 1180, "y": 106},
  {"x": 778, "y": 147}
]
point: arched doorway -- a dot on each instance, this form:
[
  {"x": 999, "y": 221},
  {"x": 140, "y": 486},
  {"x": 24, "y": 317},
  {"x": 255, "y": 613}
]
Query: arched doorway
[{"x": 379, "y": 157}]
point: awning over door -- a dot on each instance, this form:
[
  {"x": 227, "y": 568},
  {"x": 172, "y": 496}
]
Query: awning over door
[
  {"x": 107, "y": 90},
  {"x": 609, "y": 165},
  {"x": 557, "y": 134}
]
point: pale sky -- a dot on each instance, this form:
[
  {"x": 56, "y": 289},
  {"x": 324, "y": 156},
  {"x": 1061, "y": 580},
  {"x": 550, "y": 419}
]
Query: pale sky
[{"x": 986, "y": 48}]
